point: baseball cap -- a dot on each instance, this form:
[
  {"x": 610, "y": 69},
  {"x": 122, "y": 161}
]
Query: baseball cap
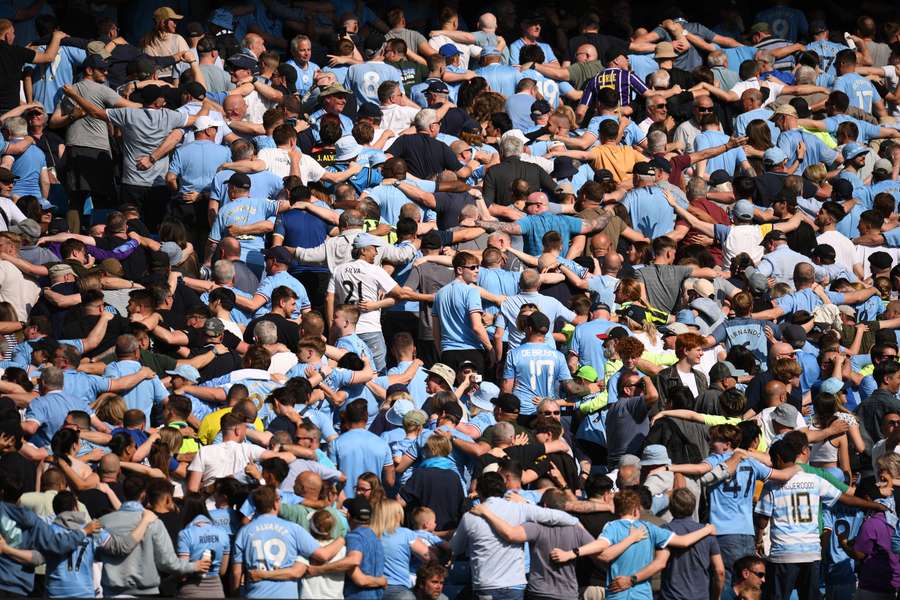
[
  {"x": 239, "y": 180},
  {"x": 370, "y": 110},
  {"x": 507, "y": 403},
  {"x": 515, "y": 133},
  {"x": 449, "y": 50},
  {"x": 540, "y": 108},
  {"x": 214, "y": 326},
  {"x": 415, "y": 417},
  {"x": 242, "y": 61},
  {"x": 675, "y": 328},
  {"x": 884, "y": 165},
  {"x": 95, "y": 61},
  {"x": 774, "y": 156},
  {"x": 760, "y": 27},
  {"x": 703, "y": 287},
  {"x": 431, "y": 241},
  {"x": 194, "y": 89},
  {"x": 185, "y": 372},
  {"x": 443, "y": 372},
  {"x": 832, "y": 386},
  {"x": 655, "y": 455},
  {"x": 603, "y": 176},
  {"x": 205, "y": 122},
  {"x": 279, "y": 254},
  {"x": 61, "y": 270},
  {"x": 454, "y": 409},
  {"x": 841, "y": 189},
  {"x": 29, "y": 228},
  {"x": 851, "y": 150},
  {"x": 359, "y": 509},
  {"x": 173, "y": 251},
  {"x": 538, "y": 321},
  {"x": 743, "y": 209},
  {"x": 659, "y": 162},
  {"x": 614, "y": 333},
  {"x": 436, "y": 86},
  {"x": 166, "y": 13},
  {"x": 784, "y": 109},
  {"x": 563, "y": 168},
  {"x": 685, "y": 316},
  {"x": 588, "y": 373},
  {"x": 99, "y": 48},
  {"x": 490, "y": 51},
  {"x": 723, "y": 369},
  {"x": 364, "y": 240},
  {"x": 629, "y": 460},
  {"x": 794, "y": 335},
  {"x": 718, "y": 177},
  {"x": 644, "y": 169},
  {"x": 774, "y": 235},
  {"x": 785, "y": 415},
  {"x": 194, "y": 29},
  {"x": 397, "y": 411}
]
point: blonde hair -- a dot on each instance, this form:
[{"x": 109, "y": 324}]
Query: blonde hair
[
  {"x": 891, "y": 464},
  {"x": 172, "y": 438},
  {"x": 816, "y": 173},
  {"x": 110, "y": 408},
  {"x": 387, "y": 517}
]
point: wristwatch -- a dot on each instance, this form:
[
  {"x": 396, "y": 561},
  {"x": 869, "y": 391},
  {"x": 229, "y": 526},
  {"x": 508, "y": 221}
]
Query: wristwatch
[
  {"x": 576, "y": 551},
  {"x": 634, "y": 580}
]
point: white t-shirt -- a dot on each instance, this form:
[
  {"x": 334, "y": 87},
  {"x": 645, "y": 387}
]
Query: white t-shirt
[
  {"x": 356, "y": 281},
  {"x": 20, "y": 292},
  {"x": 396, "y": 117},
  {"x": 256, "y": 106},
  {"x": 844, "y": 249},
  {"x": 468, "y": 50},
  {"x": 227, "y": 459},
  {"x": 324, "y": 587},
  {"x": 278, "y": 161},
  {"x": 753, "y": 84},
  {"x": 282, "y": 362},
  {"x": 864, "y": 252},
  {"x": 11, "y": 212},
  {"x": 689, "y": 381}
]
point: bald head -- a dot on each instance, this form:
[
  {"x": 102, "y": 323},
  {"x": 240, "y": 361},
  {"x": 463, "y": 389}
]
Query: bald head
[
  {"x": 586, "y": 51},
  {"x": 109, "y": 465},
  {"x": 235, "y": 103},
  {"x": 774, "y": 393},
  {"x": 308, "y": 485},
  {"x": 804, "y": 275},
  {"x": 487, "y": 22},
  {"x": 230, "y": 247},
  {"x": 530, "y": 280},
  {"x": 780, "y": 348}
]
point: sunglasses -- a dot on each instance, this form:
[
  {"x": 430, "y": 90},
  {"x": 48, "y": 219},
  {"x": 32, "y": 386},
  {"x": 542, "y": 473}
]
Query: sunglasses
[
  {"x": 472, "y": 267},
  {"x": 760, "y": 574},
  {"x": 660, "y": 106},
  {"x": 892, "y": 423},
  {"x": 551, "y": 413},
  {"x": 704, "y": 109}
]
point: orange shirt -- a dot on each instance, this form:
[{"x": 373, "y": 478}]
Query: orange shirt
[{"x": 619, "y": 160}]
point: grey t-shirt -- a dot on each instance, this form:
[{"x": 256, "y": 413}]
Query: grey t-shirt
[
  {"x": 663, "y": 284},
  {"x": 549, "y": 579},
  {"x": 411, "y": 37},
  {"x": 690, "y": 59},
  {"x": 686, "y": 577},
  {"x": 427, "y": 278},
  {"x": 89, "y": 132},
  {"x": 627, "y": 425},
  {"x": 217, "y": 80},
  {"x": 143, "y": 130}
]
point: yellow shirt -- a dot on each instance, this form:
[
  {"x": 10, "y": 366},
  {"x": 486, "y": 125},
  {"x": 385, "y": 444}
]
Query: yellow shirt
[{"x": 211, "y": 425}]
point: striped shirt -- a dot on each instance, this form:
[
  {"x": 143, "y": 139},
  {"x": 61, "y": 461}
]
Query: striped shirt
[
  {"x": 626, "y": 84},
  {"x": 793, "y": 507}
]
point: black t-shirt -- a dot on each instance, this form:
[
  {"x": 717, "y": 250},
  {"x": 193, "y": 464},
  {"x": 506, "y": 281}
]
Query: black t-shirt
[
  {"x": 802, "y": 239},
  {"x": 14, "y": 464},
  {"x": 588, "y": 571},
  {"x": 135, "y": 265},
  {"x": 453, "y": 121},
  {"x": 599, "y": 41},
  {"x": 78, "y": 326},
  {"x": 524, "y": 455},
  {"x": 12, "y": 59},
  {"x": 97, "y": 502},
  {"x": 448, "y": 206},
  {"x": 288, "y": 331},
  {"x": 769, "y": 184},
  {"x": 220, "y": 365},
  {"x": 424, "y": 155},
  {"x": 439, "y": 490}
]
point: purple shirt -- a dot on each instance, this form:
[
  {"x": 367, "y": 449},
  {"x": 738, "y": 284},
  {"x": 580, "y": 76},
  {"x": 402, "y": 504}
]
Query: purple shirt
[
  {"x": 880, "y": 570},
  {"x": 120, "y": 252},
  {"x": 625, "y": 83}
]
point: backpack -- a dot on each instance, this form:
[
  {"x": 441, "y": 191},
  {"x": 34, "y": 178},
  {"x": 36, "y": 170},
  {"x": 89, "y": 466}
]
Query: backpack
[{"x": 681, "y": 450}]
